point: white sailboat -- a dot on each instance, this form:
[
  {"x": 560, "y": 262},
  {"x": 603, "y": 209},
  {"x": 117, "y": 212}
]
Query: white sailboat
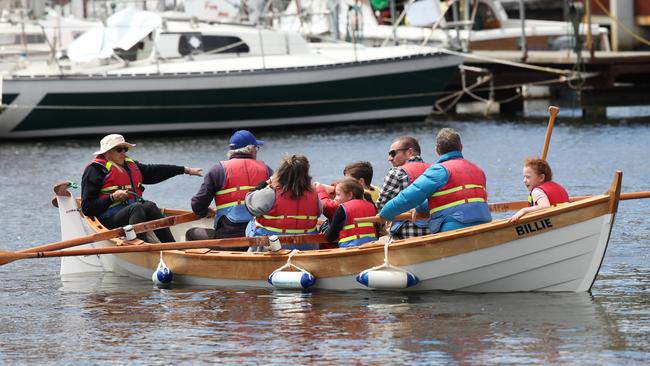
[{"x": 144, "y": 73}]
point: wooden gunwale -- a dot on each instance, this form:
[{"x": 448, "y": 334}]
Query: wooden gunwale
[{"x": 348, "y": 261}]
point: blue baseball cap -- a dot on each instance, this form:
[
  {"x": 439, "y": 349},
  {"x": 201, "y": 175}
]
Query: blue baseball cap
[{"x": 243, "y": 138}]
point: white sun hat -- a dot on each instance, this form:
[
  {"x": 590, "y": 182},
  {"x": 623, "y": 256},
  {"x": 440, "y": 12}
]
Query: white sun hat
[{"x": 111, "y": 141}]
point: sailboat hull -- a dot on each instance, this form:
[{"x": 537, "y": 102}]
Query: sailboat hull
[{"x": 403, "y": 87}]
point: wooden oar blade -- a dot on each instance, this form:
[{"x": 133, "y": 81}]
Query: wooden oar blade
[{"x": 8, "y": 257}]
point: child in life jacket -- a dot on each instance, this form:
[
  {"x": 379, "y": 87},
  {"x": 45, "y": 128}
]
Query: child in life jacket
[
  {"x": 359, "y": 170},
  {"x": 543, "y": 191},
  {"x": 353, "y": 204}
]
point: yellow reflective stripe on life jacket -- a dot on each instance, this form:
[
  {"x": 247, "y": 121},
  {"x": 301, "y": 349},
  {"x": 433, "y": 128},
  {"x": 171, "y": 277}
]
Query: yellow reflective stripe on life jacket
[
  {"x": 231, "y": 190},
  {"x": 286, "y": 231},
  {"x": 353, "y": 237},
  {"x": 230, "y": 204},
  {"x": 235, "y": 189},
  {"x": 109, "y": 164},
  {"x": 361, "y": 224},
  {"x": 455, "y": 203},
  {"x": 297, "y": 217},
  {"x": 114, "y": 188},
  {"x": 456, "y": 189}
]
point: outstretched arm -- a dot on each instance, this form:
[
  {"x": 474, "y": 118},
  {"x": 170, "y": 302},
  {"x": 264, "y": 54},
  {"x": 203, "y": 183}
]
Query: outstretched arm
[
  {"x": 541, "y": 202},
  {"x": 415, "y": 194},
  {"x": 212, "y": 182},
  {"x": 156, "y": 173}
]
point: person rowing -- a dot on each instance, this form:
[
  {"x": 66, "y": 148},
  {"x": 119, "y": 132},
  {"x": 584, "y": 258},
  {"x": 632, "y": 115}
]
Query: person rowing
[
  {"x": 452, "y": 191},
  {"x": 113, "y": 183},
  {"x": 404, "y": 155},
  {"x": 227, "y": 183}
]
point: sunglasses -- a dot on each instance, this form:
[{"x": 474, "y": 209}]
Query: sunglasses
[
  {"x": 121, "y": 149},
  {"x": 392, "y": 153}
]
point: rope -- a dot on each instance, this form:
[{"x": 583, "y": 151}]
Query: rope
[
  {"x": 289, "y": 264},
  {"x": 458, "y": 94},
  {"x": 436, "y": 24},
  {"x": 522, "y": 65},
  {"x": 392, "y": 34},
  {"x": 438, "y": 109},
  {"x": 625, "y": 28},
  {"x": 579, "y": 67}
]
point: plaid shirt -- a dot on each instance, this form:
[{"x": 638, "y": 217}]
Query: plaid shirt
[{"x": 395, "y": 181}]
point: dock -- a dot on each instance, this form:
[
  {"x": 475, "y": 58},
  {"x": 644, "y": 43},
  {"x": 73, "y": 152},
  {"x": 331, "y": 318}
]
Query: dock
[{"x": 598, "y": 80}]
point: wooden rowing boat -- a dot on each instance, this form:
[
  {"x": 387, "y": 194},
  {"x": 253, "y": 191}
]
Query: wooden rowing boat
[{"x": 556, "y": 249}]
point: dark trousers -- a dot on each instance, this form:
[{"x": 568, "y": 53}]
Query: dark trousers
[
  {"x": 225, "y": 229},
  {"x": 136, "y": 213}
]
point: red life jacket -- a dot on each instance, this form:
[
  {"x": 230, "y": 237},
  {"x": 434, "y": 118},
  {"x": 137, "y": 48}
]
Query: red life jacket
[
  {"x": 353, "y": 209},
  {"x": 291, "y": 216},
  {"x": 556, "y": 193},
  {"x": 466, "y": 184},
  {"x": 415, "y": 169},
  {"x": 242, "y": 175},
  {"x": 119, "y": 179}
]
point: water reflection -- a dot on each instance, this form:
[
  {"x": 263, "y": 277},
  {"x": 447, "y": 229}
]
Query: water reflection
[
  {"x": 359, "y": 327},
  {"x": 111, "y": 319}
]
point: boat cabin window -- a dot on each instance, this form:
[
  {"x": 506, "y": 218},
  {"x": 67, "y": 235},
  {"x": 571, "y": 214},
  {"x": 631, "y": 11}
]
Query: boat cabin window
[
  {"x": 199, "y": 43},
  {"x": 175, "y": 45}
]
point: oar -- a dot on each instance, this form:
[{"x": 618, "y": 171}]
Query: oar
[
  {"x": 114, "y": 233},
  {"x": 8, "y": 257},
  {"x": 503, "y": 207},
  {"x": 553, "y": 111}
]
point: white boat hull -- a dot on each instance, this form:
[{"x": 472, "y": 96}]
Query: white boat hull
[
  {"x": 564, "y": 260},
  {"x": 559, "y": 249},
  {"x": 240, "y": 93}
]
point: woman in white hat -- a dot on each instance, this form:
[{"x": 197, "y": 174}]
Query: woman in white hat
[{"x": 112, "y": 185}]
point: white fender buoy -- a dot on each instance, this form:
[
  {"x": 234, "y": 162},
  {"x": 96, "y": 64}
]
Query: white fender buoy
[
  {"x": 387, "y": 276},
  {"x": 295, "y": 280},
  {"x": 292, "y": 280},
  {"x": 162, "y": 275}
]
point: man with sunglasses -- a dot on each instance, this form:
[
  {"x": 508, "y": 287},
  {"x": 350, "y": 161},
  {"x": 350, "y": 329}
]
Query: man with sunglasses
[
  {"x": 404, "y": 155},
  {"x": 451, "y": 191},
  {"x": 227, "y": 183},
  {"x": 112, "y": 186}
]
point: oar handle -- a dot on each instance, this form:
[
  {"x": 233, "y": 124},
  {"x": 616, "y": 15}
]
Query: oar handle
[
  {"x": 553, "y": 111},
  {"x": 635, "y": 195},
  {"x": 7, "y": 257}
]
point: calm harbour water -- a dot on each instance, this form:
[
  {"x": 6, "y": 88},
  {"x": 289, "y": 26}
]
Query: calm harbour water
[{"x": 107, "y": 319}]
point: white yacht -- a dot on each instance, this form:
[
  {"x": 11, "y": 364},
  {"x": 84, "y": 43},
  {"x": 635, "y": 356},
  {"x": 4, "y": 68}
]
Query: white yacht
[{"x": 143, "y": 73}]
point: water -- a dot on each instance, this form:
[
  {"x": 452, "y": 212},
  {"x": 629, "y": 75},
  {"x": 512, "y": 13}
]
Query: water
[{"x": 106, "y": 318}]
